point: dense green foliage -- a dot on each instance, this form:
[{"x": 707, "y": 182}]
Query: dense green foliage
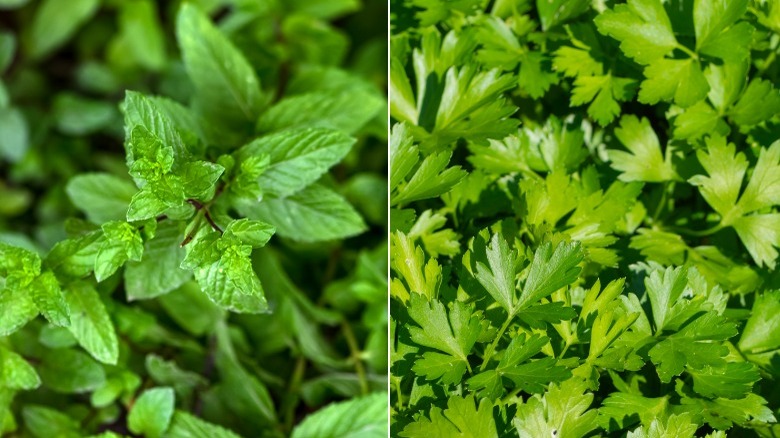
[
  {"x": 586, "y": 218},
  {"x": 192, "y": 218}
]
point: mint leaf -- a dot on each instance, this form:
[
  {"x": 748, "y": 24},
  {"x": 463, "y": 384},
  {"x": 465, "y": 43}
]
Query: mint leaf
[
  {"x": 298, "y": 157},
  {"x": 227, "y": 86},
  {"x": 90, "y": 323},
  {"x": 360, "y": 417},
  {"x": 152, "y": 411},
  {"x": 101, "y": 196},
  {"x": 158, "y": 272},
  {"x": 184, "y": 424},
  {"x": 347, "y": 112},
  {"x": 15, "y": 372},
  {"x": 311, "y": 215},
  {"x": 52, "y": 26}
]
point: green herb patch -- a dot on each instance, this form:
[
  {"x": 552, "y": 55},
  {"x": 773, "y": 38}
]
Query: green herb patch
[
  {"x": 191, "y": 240},
  {"x": 585, "y": 218}
]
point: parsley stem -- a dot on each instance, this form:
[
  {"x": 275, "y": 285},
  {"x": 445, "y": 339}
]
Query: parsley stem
[
  {"x": 688, "y": 51},
  {"x": 697, "y": 233},
  {"x": 492, "y": 347}
]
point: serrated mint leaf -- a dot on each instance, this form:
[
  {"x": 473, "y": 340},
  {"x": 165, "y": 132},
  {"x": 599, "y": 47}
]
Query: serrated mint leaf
[
  {"x": 298, "y": 157},
  {"x": 345, "y": 111},
  {"x": 223, "y": 269},
  {"x": 311, "y": 215},
  {"x": 152, "y": 412},
  {"x": 145, "y": 205},
  {"x": 158, "y": 271},
  {"x": 199, "y": 178},
  {"x": 140, "y": 110},
  {"x": 70, "y": 371},
  {"x": 188, "y": 425},
  {"x": 16, "y": 309},
  {"x": 49, "y": 299},
  {"x": 101, "y": 196},
  {"x": 356, "y": 418},
  {"x": 254, "y": 233},
  {"x": 227, "y": 86},
  {"x": 52, "y": 26},
  {"x": 121, "y": 242},
  {"x": 15, "y": 372},
  {"x": 91, "y": 324}
]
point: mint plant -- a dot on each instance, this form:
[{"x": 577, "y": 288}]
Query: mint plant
[
  {"x": 585, "y": 218},
  {"x": 193, "y": 243}
]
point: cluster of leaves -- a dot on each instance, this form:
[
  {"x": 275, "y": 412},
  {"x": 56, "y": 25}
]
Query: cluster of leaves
[
  {"x": 191, "y": 241},
  {"x": 585, "y": 218}
]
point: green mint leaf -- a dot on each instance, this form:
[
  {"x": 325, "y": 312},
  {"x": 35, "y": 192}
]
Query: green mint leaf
[
  {"x": 298, "y": 157},
  {"x": 16, "y": 138},
  {"x": 158, "y": 272},
  {"x": 140, "y": 110},
  {"x": 15, "y": 372},
  {"x": 71, "y": 371},
  {"x": 48, "y": 298},
  {"x": 311, "y": 215},
  {"x": 142, "y": 33},
  {"x": 192, "y": 309},
  {"x": 359, "y": 417},
  {"x": 76, "y": 115},
  {"x": 122, "y": 242},
  {"x": 101, "y": 196},
  {"x": 146, "y": 205},
  {"x": 185, "y": 424},
  {"x": 43, "y": 421},
  {"x": 227, "y": 86},
  {"x": 347, "y": 111},
  {"x": 17, "y": 308},
  {"x": 253, "y": 233},
  {"x": 152, "y": 412},
  {"x": 53, "y": 26},
  {"x": 90, "y": 323},
  {"x": 223, "y": 270},
  {"x": 199, "y": 178}
]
